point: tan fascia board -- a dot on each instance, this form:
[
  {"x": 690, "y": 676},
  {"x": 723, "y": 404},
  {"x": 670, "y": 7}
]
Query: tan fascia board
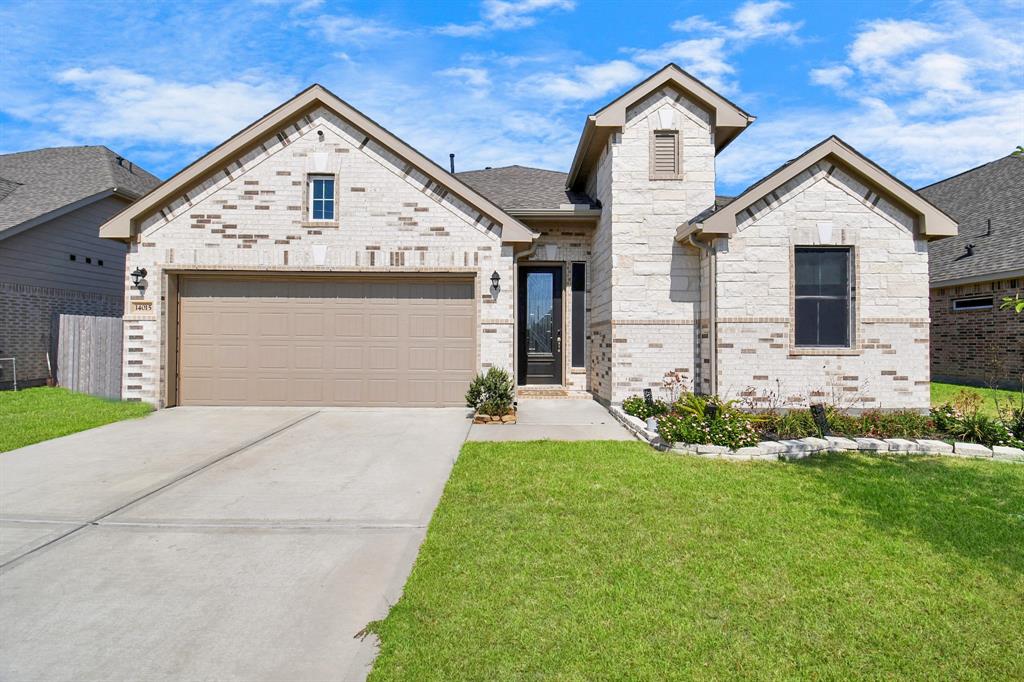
[
  {"x": 570, "y": 215},
  {"x": 933, "y": 223},
  {"x": 729, "y": 119},
  {"x": 977, "y": 279},
  {"x": 123, "y": 224}
]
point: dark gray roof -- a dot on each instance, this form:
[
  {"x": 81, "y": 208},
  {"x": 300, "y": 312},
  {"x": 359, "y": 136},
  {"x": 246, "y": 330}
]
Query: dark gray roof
[
  {"x": 993, "y": 192},
  {"x": 37, "y": 182},
  {"x": 521, "y": 188}
]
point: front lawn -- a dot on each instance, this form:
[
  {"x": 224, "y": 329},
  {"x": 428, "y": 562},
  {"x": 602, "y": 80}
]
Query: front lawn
[
  {"x": 35, "y": 414},
  {"x": 600, "y": 560},
  {"x": 944, "y": 393}
]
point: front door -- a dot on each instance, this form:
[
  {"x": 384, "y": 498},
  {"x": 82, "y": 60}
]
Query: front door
[{"x": 540, "y": 325}]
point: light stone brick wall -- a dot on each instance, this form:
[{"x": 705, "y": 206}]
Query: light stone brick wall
[
  {"x": 655, "y": 280},
  {"x": 252, "y": 217},
  {"x": 599, "y": 351},
  {"x": 887, "y": 366}
]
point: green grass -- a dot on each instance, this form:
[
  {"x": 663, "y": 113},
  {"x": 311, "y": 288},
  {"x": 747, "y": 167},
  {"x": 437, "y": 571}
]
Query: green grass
[
  {"x": 609, "y": 561},
  {"x": 944, "y": 393},
  {"x": 35, "y": 414}
]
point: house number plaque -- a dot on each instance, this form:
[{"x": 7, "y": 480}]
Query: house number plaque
[{"x": 142, "y": 307}]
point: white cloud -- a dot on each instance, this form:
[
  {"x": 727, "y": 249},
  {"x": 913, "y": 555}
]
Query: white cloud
[
  {"x": 511, "y": 14},
  {"x": 587, "y": 82},
  {"x": 504, "y": 15},
  {"x": 703, "y": 57},
  {"x": 887, "y": 38},
  {"x": 344, "y": 29},
  {"x": 832, "y": 76},
  {"x": 128, "y": 107},
  {"x": 478, "y": 80},
  {"x": 925, "y": 99},
  {"x": 751, "y": 21},
  {"x": 757, "y": 20}
]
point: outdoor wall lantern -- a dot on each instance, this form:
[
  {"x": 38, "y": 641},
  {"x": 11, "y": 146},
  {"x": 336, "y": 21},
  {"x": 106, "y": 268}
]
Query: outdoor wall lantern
[
  {"x": 139, "y": 277},
  {"x": 495, "y": 282}
]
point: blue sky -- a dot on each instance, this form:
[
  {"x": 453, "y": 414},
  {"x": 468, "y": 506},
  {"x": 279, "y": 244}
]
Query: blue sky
[{"x": 925, "y": 89}]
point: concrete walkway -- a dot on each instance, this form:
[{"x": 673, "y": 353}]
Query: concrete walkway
[
  {"x": 553, "y": 419},
  {"x": 215, "y": 543}
]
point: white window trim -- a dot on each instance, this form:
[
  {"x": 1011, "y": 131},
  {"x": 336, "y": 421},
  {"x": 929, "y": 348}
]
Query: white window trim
[{"x": 334, "y": 199}]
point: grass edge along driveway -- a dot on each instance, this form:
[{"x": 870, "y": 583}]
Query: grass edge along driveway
[
  {"x": 32, "y": 415},
  {"x": 600, "y": 560}
]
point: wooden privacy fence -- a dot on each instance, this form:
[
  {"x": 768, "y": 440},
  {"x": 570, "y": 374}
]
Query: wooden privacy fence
[{"x": 89, "y": 354}]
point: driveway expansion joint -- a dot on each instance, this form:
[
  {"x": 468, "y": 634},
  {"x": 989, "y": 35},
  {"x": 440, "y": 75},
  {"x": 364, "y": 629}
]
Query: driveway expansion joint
[{"x": 177, "y": 478}]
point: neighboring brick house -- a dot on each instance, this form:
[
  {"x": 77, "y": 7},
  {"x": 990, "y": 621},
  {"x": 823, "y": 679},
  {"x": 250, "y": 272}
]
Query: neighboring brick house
[
  {"x": 52, "y": 260},
  {"x": 314, "y": 258},
  {"x": 973, "y": 341}
]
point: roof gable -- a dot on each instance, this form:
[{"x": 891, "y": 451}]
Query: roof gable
[
  {"x": 988, "y": 202},
  {"x": 729, "y": 119},
  {"x": 275, "y": 128},
  {"x": 40, "y": 184},
  {"x": 932, "y": 222}
]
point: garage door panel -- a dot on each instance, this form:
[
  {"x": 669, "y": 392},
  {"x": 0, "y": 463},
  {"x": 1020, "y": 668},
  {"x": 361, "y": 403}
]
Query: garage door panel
[{"x": 342, "y": 341}]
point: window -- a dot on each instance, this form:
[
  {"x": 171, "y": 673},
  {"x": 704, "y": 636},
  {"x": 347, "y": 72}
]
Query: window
[
  {"x": 665, "y": 154},
  {"x": 579, "y": 314},
  {"x": 321, "y": 197},
  {"x": 823, "y": 297},
  {"x": 979, "y": 303}
]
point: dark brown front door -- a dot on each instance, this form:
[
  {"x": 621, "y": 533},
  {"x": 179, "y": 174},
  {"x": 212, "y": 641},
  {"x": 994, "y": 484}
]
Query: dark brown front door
[{"x": 540, "y": 325}]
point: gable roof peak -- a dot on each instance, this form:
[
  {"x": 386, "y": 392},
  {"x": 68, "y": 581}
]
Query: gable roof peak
[
  {"x": 933, "y": 222},
  {"x": 124, "y": 224},
  {"x": 729, "y": 119}
]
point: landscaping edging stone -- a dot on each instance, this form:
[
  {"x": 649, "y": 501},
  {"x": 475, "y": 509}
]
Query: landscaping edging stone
[{"x": 801, "y": 448}]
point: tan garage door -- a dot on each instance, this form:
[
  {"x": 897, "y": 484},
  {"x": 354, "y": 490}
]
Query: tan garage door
[{"x": 278, "y": 340}]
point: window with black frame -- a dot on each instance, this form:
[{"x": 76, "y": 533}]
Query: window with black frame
[{"x": 824, "y": 296}]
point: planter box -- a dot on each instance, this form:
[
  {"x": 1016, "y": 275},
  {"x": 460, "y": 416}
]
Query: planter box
[{"x": 509, "y": 418}]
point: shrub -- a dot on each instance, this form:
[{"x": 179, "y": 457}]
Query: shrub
[
  {"x": 690, "y": 422},
  {"x": 973, "y": 427},
  {"x": 638, "y": 407},
  {"x": 791, "y": 424},
  {"x": 897, "y": 424},
  {"x": 492, "y": 393}
]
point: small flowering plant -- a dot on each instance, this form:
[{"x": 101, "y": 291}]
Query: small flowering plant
[{"x": 691, "y": 421}]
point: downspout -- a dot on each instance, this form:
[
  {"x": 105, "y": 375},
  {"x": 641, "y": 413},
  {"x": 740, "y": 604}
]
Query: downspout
[{"x": 709, "y": 250}]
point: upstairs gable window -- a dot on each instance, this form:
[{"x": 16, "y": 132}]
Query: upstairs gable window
[{"x": 321, "y": 197}]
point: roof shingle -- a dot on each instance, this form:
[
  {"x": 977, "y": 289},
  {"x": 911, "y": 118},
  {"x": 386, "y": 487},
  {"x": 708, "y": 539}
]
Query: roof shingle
[
  {"x": 34, "y": 183},
  {"x": 521, "y": 188},
  {"x": 992, "y": 192}
]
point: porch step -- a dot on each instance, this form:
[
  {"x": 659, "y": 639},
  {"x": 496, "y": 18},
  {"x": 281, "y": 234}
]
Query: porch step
[{"x": 551, "y": 392}]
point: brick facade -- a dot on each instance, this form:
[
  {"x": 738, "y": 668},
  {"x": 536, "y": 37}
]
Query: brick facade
[
  {"x": 27, "y": 319},
  {"x": 984, "y": 346},
  {"x": 390, "y": 219},
  {"x": 887, "y": 364},
  {"x": 651, "y": 299}
]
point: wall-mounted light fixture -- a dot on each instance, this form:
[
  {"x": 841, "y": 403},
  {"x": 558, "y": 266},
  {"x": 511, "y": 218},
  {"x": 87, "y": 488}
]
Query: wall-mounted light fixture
[
  {"x": 139, "y": 278},
  {"x": 495, "y": 283}
]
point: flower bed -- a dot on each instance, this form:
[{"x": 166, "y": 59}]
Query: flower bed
[{"x": 712, "y": 427}]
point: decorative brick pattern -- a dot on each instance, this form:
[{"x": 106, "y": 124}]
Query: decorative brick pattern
[
  {"x": 244, "y": 219},
  {"x": 887, "y": 365}
]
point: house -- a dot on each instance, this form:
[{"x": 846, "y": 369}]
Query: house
[
  {"x": 973, "y": 341},
  {"x": 315, "y": 258},
  {"x": 52, "y": 259}
]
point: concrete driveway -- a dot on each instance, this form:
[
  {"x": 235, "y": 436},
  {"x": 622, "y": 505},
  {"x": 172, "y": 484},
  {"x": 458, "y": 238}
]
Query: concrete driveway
[{"x": 215, "y": 543}]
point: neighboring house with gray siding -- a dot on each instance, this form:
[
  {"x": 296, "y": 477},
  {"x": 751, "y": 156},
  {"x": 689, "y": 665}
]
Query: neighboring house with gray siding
[
  {"x": 973, "y": 341},
  {"x": 52, "y": 260},
  {"x": 317, "y": 259}
]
